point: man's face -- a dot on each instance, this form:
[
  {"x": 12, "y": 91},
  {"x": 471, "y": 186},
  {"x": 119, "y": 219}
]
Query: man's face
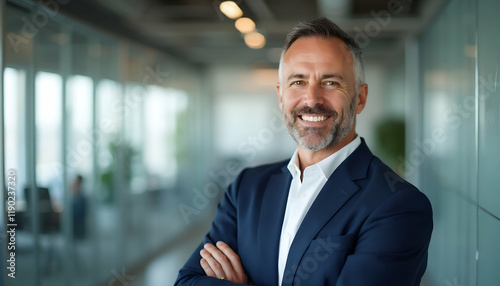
[{"x": 317, "y": 92}]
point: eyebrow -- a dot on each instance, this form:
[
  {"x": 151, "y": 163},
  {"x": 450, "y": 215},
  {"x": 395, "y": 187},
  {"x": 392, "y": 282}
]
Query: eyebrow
[
  {"x": 297, "y": 75},
  {"x": 332, "y": 76},
  {"x": 302, "y": 76}
]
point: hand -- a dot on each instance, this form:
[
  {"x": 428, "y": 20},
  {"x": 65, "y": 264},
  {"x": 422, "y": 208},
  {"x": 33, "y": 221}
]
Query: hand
[{"x": 223, "y": 263}]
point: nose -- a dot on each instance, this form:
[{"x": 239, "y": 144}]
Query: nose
[{"x": 313, "y": 95}]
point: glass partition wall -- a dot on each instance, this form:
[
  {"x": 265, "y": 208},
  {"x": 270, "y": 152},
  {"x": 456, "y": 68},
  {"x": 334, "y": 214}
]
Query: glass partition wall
[
  {"x": 457, "y": 150},
  {"x": 97, "y": 188}
]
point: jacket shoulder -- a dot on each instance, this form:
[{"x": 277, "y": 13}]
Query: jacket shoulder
[
  {"x": 267, "y": 169},
  {"x": 379, "y": 169}
]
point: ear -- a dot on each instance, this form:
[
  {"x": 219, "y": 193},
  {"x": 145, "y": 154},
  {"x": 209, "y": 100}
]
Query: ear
[
  {"x": 361, "y": 99},
  {"x": 280, "y": 98}
]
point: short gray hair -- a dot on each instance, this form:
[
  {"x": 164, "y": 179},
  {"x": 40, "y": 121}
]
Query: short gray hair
[{"x": 325, "y": 28}]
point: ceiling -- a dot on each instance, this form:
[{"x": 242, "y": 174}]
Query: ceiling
[{"x": 197, "y": 31}]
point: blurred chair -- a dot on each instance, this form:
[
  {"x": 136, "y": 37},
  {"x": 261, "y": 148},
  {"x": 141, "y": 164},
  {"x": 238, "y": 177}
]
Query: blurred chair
[{"x": 49, "y": 225}]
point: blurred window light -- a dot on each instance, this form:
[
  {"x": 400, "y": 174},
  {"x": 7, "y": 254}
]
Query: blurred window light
[
  {"x": 230, "y": 9},
  {"x": 255, "y": 40},
  {"x": 108, "y": 117},
  {"x": 48, "y": 116},
  {"x": 244, "y": 25},
  {"x": 134, "y": 135},
  {"x": 48, "y": 89},
  {"x": 14, "y": 124},
  {"x": 80, "y": 90},
  {"x": 164, "y": 107},
  {"x": 108, "y": 97}
]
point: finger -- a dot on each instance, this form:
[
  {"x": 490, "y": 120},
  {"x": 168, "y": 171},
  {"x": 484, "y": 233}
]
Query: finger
[
  {"x": 206, "y": 267},
  {"x": 231, "y": 255},
  {"x": 221, "y": 258},
  {"x": 213, "y": 263}
]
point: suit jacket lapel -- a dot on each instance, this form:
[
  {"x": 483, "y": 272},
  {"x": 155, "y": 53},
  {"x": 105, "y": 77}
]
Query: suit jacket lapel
[
  {"x": 271, "y": 219},
  {"x": 339, "y": 188}
]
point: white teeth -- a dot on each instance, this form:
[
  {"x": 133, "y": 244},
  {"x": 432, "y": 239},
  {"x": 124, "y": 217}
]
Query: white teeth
[{"x": 313, "y": 118}]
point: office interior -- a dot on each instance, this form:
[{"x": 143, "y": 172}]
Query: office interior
[{"x": 122, "y": 123}]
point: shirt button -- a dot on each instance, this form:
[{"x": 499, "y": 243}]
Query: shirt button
[{"x": 301, "y": 196}]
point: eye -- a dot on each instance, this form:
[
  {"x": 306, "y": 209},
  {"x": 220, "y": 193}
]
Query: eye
[
  {"x": 331, "y": 83},
  {"x": 297, "y": 82}
]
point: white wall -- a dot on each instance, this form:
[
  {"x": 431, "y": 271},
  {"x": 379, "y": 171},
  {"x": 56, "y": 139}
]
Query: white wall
[
  {"x": 247, "y": 120},
  {"x": 376, "y": 108},
  {"x": 246, "y": 116}
]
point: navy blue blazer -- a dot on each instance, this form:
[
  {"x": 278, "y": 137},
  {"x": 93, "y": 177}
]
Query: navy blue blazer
[{"x": 366, "y": 227}]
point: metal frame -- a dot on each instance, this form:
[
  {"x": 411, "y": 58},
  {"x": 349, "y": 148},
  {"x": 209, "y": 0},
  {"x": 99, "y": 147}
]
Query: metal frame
[
  {"x": 2, "y": 157},
  {"x": 413, "y": 101},
  {"x": 67, "y": 226},
  {"x": 30, "y": 133}
]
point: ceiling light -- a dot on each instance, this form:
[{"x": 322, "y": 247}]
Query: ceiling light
[
  {"x": 255, "y": 40},
  {"x": 244, "y": 25},
  {"x": 230, "y": 9}
]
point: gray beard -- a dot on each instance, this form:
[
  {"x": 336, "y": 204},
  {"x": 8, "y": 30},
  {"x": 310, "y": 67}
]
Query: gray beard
[{"x": 338, "y": 132}]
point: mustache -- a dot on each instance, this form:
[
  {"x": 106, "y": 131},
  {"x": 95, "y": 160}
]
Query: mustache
[{"x": 317, "y": 109}]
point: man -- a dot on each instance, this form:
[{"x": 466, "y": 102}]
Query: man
[{"x": 333, "y": 214}]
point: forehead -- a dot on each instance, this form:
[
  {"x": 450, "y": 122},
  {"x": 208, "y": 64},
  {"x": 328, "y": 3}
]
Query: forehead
[{"x": 318, "y": 53}]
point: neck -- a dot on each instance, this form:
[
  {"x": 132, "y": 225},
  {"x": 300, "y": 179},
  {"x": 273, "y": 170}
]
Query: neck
[{"x": 308, "y": 158}]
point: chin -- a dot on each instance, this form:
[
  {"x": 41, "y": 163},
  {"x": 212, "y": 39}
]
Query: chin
[{"x": 314, "y": 145}]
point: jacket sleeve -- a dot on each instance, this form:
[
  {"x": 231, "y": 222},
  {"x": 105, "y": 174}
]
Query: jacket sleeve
[
  {"x": 224, "y": 228},
  {"x": 393, "y": 243}
]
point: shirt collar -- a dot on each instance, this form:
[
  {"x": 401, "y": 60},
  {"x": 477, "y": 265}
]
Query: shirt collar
[
  {"x": 293, "y": 165},
  {"x": 330, "y": 163}
]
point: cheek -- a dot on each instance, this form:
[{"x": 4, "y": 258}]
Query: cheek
[
  {"x": 339, "y": 101},
  {"x": 290, "y": 100}
]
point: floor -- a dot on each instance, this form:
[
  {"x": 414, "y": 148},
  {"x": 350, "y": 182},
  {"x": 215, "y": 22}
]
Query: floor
[{"x": 163, "y": 269}]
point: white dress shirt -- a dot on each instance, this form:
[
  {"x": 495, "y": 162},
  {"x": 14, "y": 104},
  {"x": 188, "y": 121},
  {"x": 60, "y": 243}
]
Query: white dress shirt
[{"x": 303, "y": 193}]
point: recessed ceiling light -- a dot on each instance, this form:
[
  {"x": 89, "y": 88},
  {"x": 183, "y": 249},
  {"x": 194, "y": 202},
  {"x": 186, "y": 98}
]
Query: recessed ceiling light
[
  {"x": 245, "y": 25},
  {"x": 255, "y": 40},
  {"x": 230, "y": 9}
]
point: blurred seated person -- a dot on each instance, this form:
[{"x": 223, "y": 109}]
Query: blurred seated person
[{"x": 79, "y": 208}]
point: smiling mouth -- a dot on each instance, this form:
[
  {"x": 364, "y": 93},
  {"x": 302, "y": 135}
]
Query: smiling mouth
[{"x": 314, "y": 118}]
